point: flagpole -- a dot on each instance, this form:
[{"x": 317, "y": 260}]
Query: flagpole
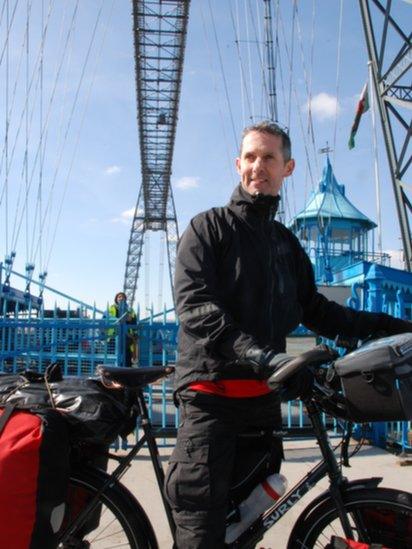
[{"x": 375, "y": 157}]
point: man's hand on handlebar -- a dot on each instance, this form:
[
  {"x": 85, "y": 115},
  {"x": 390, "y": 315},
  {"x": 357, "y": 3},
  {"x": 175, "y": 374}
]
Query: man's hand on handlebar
[
  {"x": 293, "y": 377},
  {"x": 266, "y": 361}
]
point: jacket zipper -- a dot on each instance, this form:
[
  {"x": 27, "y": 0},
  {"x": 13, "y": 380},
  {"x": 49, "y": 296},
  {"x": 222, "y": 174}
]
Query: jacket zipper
[{"x": 266, "y": 229}]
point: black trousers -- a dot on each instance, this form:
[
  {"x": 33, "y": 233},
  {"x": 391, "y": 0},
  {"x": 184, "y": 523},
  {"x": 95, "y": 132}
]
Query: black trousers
[{"x": 206, "y": 459}]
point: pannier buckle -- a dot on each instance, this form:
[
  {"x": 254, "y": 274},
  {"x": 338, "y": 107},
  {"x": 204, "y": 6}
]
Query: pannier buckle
[{"x": 368, "y": 377}]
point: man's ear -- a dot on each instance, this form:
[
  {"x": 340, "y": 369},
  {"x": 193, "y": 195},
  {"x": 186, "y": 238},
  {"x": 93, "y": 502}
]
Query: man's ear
[
  {"x": 237, "y": 162},
  {"x": 289, "y": 167}
]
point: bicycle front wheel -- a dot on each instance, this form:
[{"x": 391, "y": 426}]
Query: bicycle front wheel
[
  {"x": 379, "y": 515},
  {"x": 117, "y": 521}
]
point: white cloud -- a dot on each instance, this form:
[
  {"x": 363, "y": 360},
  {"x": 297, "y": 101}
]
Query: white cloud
[
  {"x": 126, "y": 216},
  {"x": 187, "y": 182},
  {"x": 112, "y": 170},
  {"x": 324, "y": 106}
]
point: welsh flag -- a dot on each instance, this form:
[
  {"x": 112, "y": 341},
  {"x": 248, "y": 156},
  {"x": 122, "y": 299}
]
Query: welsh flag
[{"x": 362, "y": 107}]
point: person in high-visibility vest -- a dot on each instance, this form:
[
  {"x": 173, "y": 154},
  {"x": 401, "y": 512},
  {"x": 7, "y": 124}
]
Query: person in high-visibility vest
[{"x": 116, "y": 310}]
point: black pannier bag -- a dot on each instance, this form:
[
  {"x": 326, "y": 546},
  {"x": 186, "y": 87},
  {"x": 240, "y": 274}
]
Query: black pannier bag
[
  {"x": 376, "y": 380},
  {"x": 94, "y": 413}
]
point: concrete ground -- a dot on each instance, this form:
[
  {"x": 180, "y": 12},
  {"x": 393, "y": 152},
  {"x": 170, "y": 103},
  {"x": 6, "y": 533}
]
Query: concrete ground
[{"x": 300, "y": 457}]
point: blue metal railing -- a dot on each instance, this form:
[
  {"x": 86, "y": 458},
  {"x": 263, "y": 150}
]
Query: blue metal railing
[{"x": 32, "y": 337}]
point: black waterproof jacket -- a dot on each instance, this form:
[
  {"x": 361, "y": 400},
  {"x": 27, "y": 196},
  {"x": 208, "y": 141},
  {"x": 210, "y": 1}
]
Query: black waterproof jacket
[{"x": 243, "y": 279}]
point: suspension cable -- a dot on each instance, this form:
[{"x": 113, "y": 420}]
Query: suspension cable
[
  {"x": 15, "y": 87},
  {"x": 223, "y": 73},
  {"x": 42, "y": 150},
  {"x": 28, "y": 124},
  {"x": 47, "y": 212},
  {"x": 11, "y": 158},
  {"x": 310, "y": 128},
  {"x": 243, "y": 89},
  {"x": 228, "y": 148},
  {"x": 264, "y": 96},
  {"x": 338, "y": 76},
  {"x": 46, "y": 122},
  {"x": 248, "y": 49},
  {"x": 294, "y": 91},
  {"x": 261, "y": 64},
  {"x": 6, "y": 136},
  {"x": 306, "y": 78},
  {"x": 147, "y": 270},
  {"x": 9, "y": 24},
  {"x": 292, "y": 57},
  {"x": 22, "y": 114},
  {"x": 161, "y": 270},
  {"x": 26, "y": 148},
  {"x": 98, "y": 59},
  {"x": 3, "y": 9},
  {"x": 243, "y": 86},
  {"x": 39, "y": 205}
]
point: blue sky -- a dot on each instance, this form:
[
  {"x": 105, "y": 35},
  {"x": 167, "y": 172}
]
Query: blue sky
[{"x": 98, "y": 172}]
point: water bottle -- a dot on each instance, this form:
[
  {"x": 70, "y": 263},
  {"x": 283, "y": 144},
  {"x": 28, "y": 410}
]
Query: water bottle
[{"x": 258, "y": 501}]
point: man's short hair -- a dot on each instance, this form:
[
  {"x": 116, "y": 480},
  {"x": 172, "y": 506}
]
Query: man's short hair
[{"x": 273, "y": 129}]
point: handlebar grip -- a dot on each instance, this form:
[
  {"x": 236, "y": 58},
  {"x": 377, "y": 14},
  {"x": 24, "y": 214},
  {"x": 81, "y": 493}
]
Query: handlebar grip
[
  {"x": 285, "y": 372},
  {"x": 318, "y": 355}
]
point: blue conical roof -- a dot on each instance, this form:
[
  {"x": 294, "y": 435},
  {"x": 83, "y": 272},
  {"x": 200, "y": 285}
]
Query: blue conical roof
[{"x": 330, "y": 202}]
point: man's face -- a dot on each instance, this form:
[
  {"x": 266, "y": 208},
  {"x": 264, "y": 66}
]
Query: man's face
[{"x": 261, "y": 165}]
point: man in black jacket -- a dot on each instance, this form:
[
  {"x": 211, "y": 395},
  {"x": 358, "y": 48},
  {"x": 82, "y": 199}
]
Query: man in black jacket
[{"x": 243, "y": 282}]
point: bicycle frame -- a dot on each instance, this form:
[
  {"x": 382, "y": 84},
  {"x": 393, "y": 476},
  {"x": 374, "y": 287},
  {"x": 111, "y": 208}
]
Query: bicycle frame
[{"x": 328, "y": 466}]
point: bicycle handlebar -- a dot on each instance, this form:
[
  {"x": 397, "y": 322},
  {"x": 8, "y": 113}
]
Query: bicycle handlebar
[{"x": 316, "y": 356}]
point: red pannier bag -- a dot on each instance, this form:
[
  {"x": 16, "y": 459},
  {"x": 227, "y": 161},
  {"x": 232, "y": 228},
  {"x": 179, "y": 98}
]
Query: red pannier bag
[
  {"x": 340, "y": 543},
  {"x": 34, "y": 475}
]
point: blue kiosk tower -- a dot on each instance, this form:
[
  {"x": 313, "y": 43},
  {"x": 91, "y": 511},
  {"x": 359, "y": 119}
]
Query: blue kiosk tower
[{"x": 340, "y": 241}]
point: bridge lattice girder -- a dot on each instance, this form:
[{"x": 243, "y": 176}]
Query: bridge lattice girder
[
  {"x": 159, "y": 30},
  {"x": 388, "y": 39}
]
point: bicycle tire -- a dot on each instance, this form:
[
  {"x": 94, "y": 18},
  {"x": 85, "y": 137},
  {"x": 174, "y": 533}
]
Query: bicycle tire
[
  {"x": 379, "y": 515},
  {"x": 118, "y": 521}
]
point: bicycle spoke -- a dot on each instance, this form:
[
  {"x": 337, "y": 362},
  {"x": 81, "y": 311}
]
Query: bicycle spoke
[{"x": 105, "y": 534}]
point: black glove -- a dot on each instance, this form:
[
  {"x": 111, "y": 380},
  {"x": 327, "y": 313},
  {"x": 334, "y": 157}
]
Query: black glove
[
  {"x": 264, "y": 361},
  {"x": 294, "y": 379},
  {"x": 298, "y": 386}
]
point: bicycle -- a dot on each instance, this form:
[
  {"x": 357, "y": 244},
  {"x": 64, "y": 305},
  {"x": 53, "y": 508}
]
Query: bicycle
[{"x": 359, "y": 510}]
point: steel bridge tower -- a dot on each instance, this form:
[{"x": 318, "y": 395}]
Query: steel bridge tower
[
  {"x": 388, "y": 40},
  {"x": 159, "y": 30}
]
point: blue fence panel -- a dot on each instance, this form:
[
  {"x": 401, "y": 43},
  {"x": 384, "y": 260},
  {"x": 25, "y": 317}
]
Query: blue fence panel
[
  {"x": 78, "y": 345},
  {"x": 157, "y": 343}
]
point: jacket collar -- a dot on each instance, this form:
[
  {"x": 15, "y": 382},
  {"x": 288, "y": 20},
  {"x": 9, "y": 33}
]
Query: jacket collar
[{"x": 247, "y": 206}]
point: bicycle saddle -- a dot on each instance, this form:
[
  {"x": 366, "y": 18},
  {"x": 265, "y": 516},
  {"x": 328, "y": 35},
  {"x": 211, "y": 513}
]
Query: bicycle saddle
[{"x": 132, "y": 377}]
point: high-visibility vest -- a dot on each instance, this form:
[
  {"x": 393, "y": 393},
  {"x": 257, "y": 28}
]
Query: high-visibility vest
[{"x": 113, "y": 311}]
